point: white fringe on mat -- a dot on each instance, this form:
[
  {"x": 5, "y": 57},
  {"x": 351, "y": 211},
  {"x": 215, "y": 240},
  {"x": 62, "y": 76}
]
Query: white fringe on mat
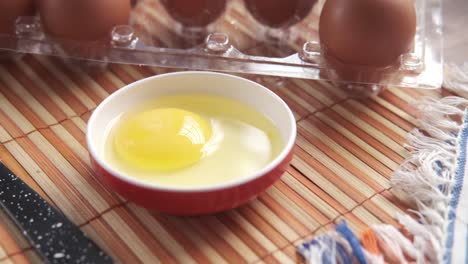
[{"x": 427, "y": 176}]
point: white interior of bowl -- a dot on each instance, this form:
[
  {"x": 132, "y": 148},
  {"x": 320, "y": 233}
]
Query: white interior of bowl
[{"x": 233, "y": 87}]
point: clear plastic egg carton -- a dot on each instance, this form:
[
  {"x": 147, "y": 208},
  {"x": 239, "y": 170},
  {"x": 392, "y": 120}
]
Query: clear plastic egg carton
[{"x": 236, "y": 42}]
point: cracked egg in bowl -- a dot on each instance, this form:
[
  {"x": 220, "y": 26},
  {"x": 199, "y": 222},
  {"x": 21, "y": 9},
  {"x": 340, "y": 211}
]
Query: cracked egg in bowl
[{"x": 191, "y": 143}]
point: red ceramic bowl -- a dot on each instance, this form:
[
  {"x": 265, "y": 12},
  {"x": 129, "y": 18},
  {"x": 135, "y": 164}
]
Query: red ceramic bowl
[{"x": 196, "y": 200}]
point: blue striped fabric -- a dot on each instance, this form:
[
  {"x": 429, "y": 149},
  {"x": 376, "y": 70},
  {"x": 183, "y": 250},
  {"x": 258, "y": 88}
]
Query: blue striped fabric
[{"x": 456, "y": 245}]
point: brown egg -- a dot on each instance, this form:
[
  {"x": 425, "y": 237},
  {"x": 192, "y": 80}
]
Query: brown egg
[
  {"x": 279, "y": 13},
  {"x": 195, "y": 13},
  {"x": 12, "y": 9},
  {"x": 83, "y": 19},
  {"x": 367, "y": 32}
]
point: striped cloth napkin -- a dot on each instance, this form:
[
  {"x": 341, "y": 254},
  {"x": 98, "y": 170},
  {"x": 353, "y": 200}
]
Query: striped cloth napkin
[{"x": 433, "y": 180}]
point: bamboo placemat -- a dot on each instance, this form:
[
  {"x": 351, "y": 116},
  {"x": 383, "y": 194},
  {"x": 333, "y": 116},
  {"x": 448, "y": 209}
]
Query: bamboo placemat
[{"x": 345, "y": 154}]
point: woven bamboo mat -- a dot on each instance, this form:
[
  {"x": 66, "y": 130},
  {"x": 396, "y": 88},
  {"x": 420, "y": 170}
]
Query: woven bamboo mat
[{"x": 346, "y": 152}]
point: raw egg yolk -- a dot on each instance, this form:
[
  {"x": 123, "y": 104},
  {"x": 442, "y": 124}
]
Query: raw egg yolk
[{"x": 162, "y": 139}]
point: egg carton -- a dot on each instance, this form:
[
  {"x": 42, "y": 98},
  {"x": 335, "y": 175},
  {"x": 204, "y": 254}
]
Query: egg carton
[{"x": 236, "y": 42}]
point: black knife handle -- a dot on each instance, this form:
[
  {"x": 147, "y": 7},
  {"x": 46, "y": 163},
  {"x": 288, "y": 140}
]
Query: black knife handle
[{"x": 55, "y": 237}]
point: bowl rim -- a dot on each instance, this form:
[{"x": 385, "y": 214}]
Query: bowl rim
[{"x": 288, "y": 146}]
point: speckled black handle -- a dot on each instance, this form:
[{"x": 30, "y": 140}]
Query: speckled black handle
[{"x": 55, "y": 238}]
